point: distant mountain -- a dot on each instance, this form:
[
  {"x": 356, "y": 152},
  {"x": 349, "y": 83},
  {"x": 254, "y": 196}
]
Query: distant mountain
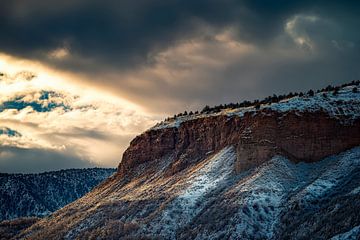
[
  {"x": 23, "y": 195},
  {"x": 280, "y": 169}
]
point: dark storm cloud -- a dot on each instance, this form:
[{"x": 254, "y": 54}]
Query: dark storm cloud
[
  {"x": 105, "y": 39},
  {"x": 20, "y": 160},
  {"x": 124, "y": 33}
]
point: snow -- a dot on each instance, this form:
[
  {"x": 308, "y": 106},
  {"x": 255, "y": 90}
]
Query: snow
[
  {"x": 188, "y": 203},
  {"x": 337, "y": 168},
  {"x": 353, "y": 234},
  {"x": 344, "y": 106},
  {"x": 355, "y": 191},
  {"x": 262, "y": 195},
  {"x": 210, "y": 201},
  {"x": 215, "y": 171}
]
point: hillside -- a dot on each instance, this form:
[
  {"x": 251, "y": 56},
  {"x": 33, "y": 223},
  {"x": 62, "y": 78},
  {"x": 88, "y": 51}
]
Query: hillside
[
  {"x": 23, "y": 195},
  {"x": 280, "y": 170}
]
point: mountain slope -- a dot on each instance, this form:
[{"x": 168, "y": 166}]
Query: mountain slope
[
  {"x": 10, "y": 228},
  {"x": 237, "y": 174},
  {"x": 40, "y": 194}
]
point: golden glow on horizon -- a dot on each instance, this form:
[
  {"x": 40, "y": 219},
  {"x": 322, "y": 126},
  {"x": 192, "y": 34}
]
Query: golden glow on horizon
[
  {"x": 47, "y": 77},
  {"x": 97, "y": 127}
]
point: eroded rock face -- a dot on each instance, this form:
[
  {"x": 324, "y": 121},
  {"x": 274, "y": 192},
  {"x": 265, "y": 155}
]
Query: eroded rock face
[
  {"x": 307, "y": 137},
  {"x": 257, "y": 136}
]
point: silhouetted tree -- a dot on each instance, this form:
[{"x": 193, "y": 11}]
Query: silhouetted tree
[
  {"x": 329, "y": 88},
  {"x": 290, "y": 95},
  {"x": 206, "y": 109},
  {"x": 310, "y": 93},
  {"x": 274, "y": 98}
]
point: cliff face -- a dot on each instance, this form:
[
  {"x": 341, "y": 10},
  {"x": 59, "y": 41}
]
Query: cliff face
[{"x": 257, "y": 136}]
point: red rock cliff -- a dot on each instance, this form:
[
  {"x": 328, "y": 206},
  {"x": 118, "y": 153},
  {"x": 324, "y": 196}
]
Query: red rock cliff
[{"x": 257, "y": 136}]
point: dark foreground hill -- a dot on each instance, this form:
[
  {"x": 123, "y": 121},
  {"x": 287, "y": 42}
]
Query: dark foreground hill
[
  {"x": 282, "y": 170},
  {"x": 24, "y": 195}
]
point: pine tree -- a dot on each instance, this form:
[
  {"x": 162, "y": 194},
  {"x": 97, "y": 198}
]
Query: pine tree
[
  {"x": 310, "y": 93},
  {"x": 206, "y": 109}
]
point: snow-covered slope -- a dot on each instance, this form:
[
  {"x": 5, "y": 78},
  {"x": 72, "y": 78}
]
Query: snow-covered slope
[
  {"x": 277, "y": 200},
  {"x": 41, "y": 194},
  {"x": 345, "y": 105}
]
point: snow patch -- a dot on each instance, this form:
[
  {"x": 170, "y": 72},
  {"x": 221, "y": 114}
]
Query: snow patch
[
  {"x": 261, "y": 199},
  {"x": 353, "y": 234},
  {"x": 189, "y": 202},
  {"x": 345, "y": 106},
  {"x": 335, "y": 172}
]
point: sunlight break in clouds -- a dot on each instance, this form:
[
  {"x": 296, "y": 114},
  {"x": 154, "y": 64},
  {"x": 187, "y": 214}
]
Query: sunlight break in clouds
[{"x": 51, "y": 114}]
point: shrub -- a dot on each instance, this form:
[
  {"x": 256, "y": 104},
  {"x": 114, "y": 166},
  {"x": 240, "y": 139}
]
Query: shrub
[
  {"x": 130, "y": 227},
  {"x": 329, "y": 88},
  {"x": 310, "y": 93},
  {"x": 206, "y": 109}
]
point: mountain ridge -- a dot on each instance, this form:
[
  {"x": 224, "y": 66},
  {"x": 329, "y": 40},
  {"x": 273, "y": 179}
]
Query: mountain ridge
[
  {"x": 39, "y": 194},
  {"x": 248, "y": 173}
]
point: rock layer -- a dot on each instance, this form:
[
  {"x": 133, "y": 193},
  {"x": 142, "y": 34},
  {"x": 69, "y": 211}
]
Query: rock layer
[{"x": 257, "y": 136}]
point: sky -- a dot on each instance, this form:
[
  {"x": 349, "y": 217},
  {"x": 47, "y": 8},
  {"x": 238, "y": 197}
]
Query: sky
[{"x": 79, "y": 79}]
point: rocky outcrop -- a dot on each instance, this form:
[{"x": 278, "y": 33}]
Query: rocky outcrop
[{"x": 308, "y": 137}]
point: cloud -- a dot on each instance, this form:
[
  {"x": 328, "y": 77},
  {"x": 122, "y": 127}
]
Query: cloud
[
  {"x": 174, "y": 55},
  {"x": 79, "y": 123},
  {"x": 127, "y": 33},
  {"x": 299, "y": 35}
]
